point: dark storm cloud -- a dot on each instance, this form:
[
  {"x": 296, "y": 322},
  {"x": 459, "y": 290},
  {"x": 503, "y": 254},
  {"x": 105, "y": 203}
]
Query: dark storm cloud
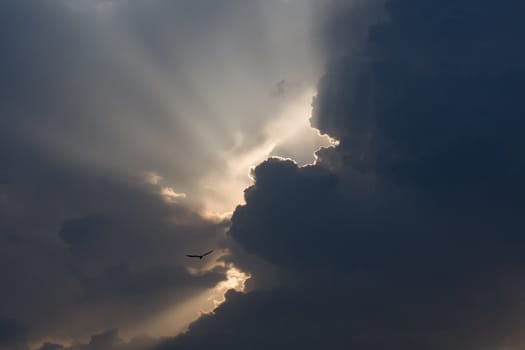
[
  {"x": 409, "y": 234},
  {"x": 279, "y": 186}
]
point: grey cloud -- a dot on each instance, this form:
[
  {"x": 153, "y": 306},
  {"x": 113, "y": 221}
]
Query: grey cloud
[{"x": 100, "y": 253}]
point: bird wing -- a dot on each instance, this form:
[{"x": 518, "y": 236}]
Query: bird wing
[
  {"x": 193, "y": 256},
  {"x": 207, "y": 253}
]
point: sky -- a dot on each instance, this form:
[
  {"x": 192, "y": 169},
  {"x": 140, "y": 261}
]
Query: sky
[{"x": 356, "y": 166}]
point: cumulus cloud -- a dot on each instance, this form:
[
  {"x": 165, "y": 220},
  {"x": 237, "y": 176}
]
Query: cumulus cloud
[{"x": 408, "y": 234}]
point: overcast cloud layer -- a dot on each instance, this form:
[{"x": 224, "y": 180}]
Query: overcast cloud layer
[{"x": 407, "y": 235}]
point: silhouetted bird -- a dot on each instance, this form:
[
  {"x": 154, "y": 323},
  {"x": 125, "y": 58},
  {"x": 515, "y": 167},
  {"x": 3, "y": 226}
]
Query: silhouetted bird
[{"x": 200, "y": 256}]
